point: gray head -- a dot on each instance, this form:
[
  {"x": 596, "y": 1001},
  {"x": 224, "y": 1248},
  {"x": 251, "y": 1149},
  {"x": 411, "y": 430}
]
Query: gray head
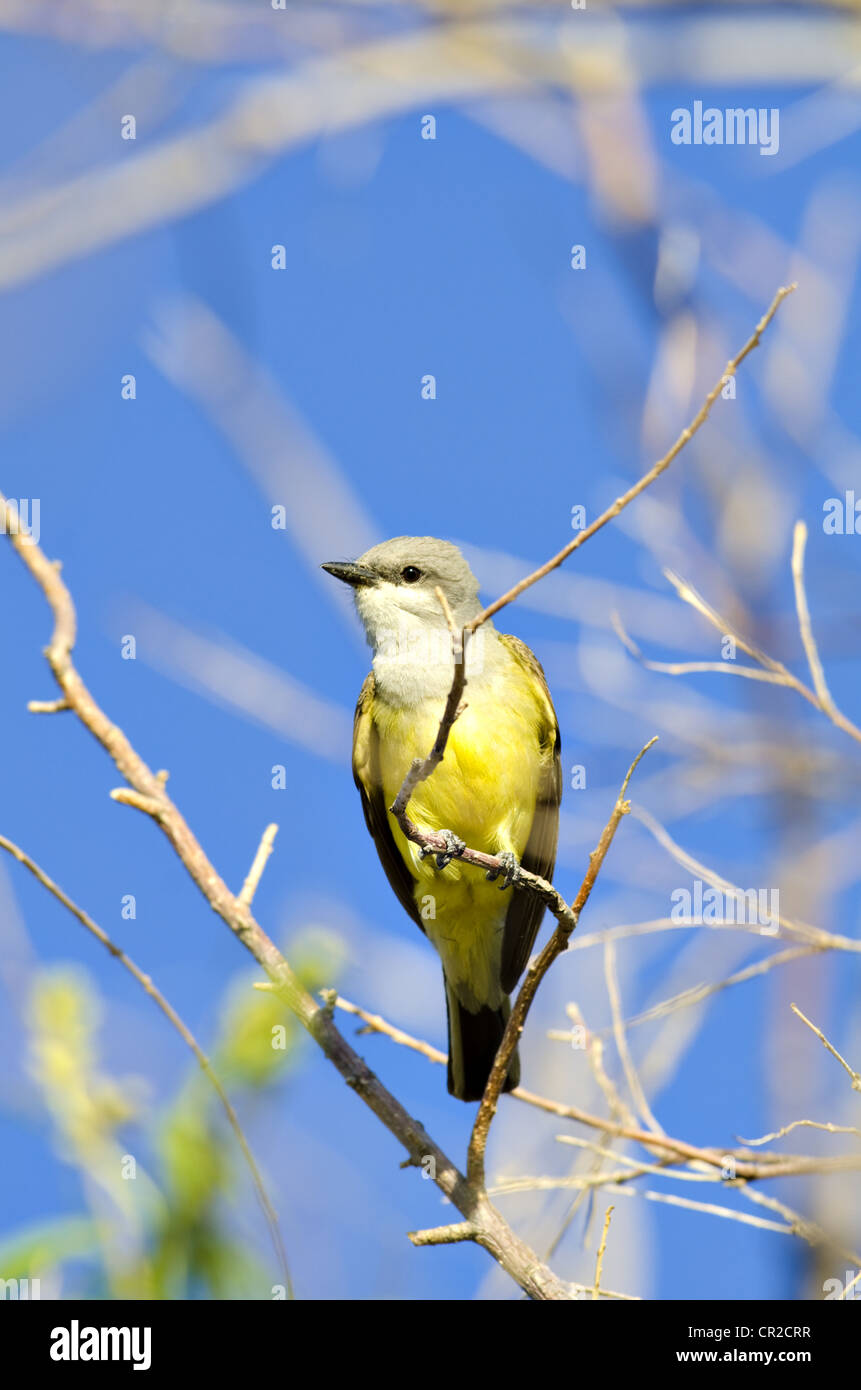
[{"x": 394, "y": 583}]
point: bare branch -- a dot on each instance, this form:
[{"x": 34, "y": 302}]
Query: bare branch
[
  {"x": 264, "y": 849},
  {"x": 798, "y": 1124},
  {"x": 127, "y": 796},
  {"x": 808, "y": 1230},
  {"x": 697, "y": 994},
  {"x": 375, "y": 1024},
  {"x": 713, "y": 1209},
  {"x": 599, "y": 1263},
  {"x": 444, "y": 1235},
  {"x": 854, "y": 1075},
  {"x": 773, "y": 672},
  {"x": 634, "y": 1085},
  {"x": 820, "y": 685},
  {"x": 813, "y": 935}
]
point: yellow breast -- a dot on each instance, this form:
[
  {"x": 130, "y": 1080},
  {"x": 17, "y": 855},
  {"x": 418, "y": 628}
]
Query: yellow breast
[
  {"x": 485, "y": 790},
  {"x": 485, "y": 787}
]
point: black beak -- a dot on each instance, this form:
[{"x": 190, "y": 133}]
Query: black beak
[{"x": 356, "y": 575}]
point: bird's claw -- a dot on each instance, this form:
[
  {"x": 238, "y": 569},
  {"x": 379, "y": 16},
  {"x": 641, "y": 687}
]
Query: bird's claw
[
  {"x": 509, "y": 868},
  {"x": 453, "y": 847}
]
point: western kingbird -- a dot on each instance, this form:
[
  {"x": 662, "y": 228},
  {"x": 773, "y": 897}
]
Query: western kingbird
[{"x": 497, "y": 789}]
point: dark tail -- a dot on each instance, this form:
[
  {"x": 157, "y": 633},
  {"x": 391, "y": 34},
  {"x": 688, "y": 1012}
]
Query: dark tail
[{"x": 473, "y": 1040}]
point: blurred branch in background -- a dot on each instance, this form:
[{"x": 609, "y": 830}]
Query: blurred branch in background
[
  {"x": 768, "y": 670},
  {"x": 448, "y": 63}
]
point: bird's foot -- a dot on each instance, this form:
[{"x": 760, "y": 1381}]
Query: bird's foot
[
  {"x": 453, "y": 847},
  {"x": 510, "y": 869}
]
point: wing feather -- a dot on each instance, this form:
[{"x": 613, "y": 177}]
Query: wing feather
[
  {"x": 526, "y": 910},
  {"x": 366, "y": 774}
]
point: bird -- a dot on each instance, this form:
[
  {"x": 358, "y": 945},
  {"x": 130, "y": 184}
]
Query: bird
[{"x": 497, "y": 788}]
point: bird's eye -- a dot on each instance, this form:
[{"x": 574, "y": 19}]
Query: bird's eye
[{"x": 410, "y": 573}]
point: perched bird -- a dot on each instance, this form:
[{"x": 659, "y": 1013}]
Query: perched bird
[{"x": 497, "y": 788}]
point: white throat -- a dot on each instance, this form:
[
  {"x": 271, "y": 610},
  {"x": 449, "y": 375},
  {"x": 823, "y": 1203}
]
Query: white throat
[{"x": 413, "y": 659}]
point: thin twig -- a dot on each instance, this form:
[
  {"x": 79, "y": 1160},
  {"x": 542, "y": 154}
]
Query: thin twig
[
  {"x": 255, "y": 873},
  {"x": 667, "y": 1167},
  {"x": 820, "y": 685},
  {"x": 772, "y": 672},
  {"x": 855, "y": 1076},
  {"x": 375, "y": 1024},
  {"x": 553, "y": 1184},
  {"x": 799, "y": 1124},
  {"x": 826, "y": 941},
  {"x": 444, "y": 1235},
  {"x": 599, "y": 1262},
  {"x": 697, "y": 994},
  {"x": 803, "y": 930},
  {"x": 638, "y": 1095},
  {"x": 808, "y": 1230},
  {"x": 713, "y": 1209},
  {"x": 619, "y": 1109}
]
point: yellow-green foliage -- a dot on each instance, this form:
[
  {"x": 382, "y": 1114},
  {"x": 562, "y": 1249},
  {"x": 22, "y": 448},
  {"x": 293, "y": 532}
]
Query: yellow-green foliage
[{"x": 164, "y": 1232}]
